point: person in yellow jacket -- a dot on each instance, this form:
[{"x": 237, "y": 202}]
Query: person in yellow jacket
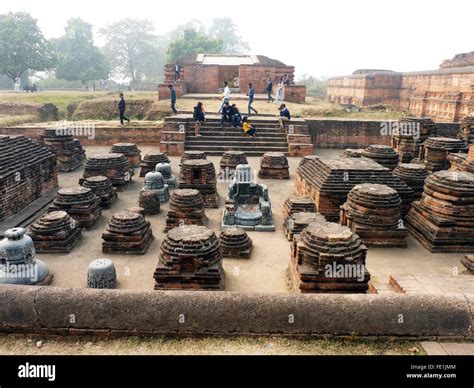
[{"x": 249, "y": 130}]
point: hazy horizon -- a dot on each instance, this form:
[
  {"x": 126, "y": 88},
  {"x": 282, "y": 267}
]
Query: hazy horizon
[{"x": 320, "y": 39}]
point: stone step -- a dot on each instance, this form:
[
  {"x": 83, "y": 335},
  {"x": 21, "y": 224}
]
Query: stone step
[
  {"x": 237, "y": 132},
  {"x": 250, "y": 150},
  {"x": 225, "y": 136},
  {"x": 248, "y": 141}
]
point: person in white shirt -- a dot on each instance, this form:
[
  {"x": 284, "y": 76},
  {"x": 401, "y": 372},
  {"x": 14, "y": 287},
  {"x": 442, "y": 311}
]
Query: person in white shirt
[
  {"x": 225, "y": 96},
  {"x": 279, "y": 94}
]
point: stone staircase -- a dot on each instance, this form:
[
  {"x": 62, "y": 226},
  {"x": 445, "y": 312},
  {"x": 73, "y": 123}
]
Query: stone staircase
[
  {"x": 178, "y": 135},
  {"x": 216, "y": 140}
]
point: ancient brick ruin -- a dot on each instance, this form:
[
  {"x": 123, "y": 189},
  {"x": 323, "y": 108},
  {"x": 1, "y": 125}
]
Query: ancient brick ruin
[
  {"x": 413, "y": 175},
  {"x": 69, "y": 152},
  {"x": 200, "y": 175},
  {"x": 116, "y": 167},
  {"x": 274, "y": 165},
  {"x": 382, "y": 154},
  {"x": 130, "y": 151},
  {"x": 235, "y": 243},
  {"x": 55, "y": 232},
  {"x": 295, "y": 223},
  {"x": 444, "y": 94},
  {"x": 27, "y": 170},
  {"x": 206, "y": 73},
  {"x": 186, "y": 208},
  {"x": 103, "y": 188},
  {"x": 463, "y": 162},
  {"x": 150, "y": 160},
  {"x": 231, "y": 159},
  {"x": 435, "y": 150},
  {"x": 372, "y": 211},
  {"x": 466, "y": 130},
  {"x": 190, "y": 259},
  {"x": 80, "y": 203},
  {"x": 127, "y": 233},
  {"x": 443, "y": 220},
  {"x": 328, "y": 258},
  {"x": 329, "y": 180},
  {"x": 298, "y": 204}
]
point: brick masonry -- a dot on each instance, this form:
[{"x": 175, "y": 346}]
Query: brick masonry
[
  {"x": 106, "y": 133},
  {"x": 443, "y": 95},
  {"x": 205, "y": 79}
]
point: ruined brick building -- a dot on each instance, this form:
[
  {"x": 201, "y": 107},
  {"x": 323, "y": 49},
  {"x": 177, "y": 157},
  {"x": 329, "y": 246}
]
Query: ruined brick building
[
  {"x": 446, "y": 94},
  {"x": 206, "y": 73}
]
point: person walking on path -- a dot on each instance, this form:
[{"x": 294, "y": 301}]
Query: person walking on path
[
  {"x": 122, "y": 106},
  {"x": 286, "y": 80},
  {"x": 199, "y": 117},
  {"x": 251, "y": 95},
  {"x": 249, "y": 130},
  {"x": 269, "y": 90},
  {"x": 285, "y": 115},
  {"x": 173, "y": 98},
  {"x": 225, "y": 96},
  {"x": 279, "y": 94}
]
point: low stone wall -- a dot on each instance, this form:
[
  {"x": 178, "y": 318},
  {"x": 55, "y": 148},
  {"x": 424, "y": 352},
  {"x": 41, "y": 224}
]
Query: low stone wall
[
  {"x": 50, "y": 310},
  {"x": 340, "y": 133},
  {"x": 295, "y": 93},
  {"x": 104, "y": 134},
  {"x": 348, "y": 133}
]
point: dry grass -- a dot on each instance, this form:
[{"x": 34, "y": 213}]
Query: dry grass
[
  {"x": 205, "y": 346},
  {"x": 102, "y": 105}
]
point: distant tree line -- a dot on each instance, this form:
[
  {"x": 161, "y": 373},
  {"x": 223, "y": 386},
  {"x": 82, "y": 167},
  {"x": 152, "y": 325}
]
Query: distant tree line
[{"x": 132, "y": 50}]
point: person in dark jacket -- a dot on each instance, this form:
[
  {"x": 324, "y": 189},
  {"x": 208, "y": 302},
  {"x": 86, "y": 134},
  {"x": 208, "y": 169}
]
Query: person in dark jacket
[
  {"x": 199, "y": 117},
  {"x": 269, "y": 90},
  {"x": 177, "y": 69},
  {"x": 285, "y": 115},
  {"x": 173, "y": 98},
  {"x": 251, "y": 95},
  {"x": 122, "y": 106},
  {"x": 226, "y": 114},
  {"x": 236, "y": 116}
]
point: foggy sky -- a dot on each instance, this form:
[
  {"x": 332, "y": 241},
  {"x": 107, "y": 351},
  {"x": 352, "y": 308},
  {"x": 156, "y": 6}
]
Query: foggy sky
[{"x": 317, "y": 37}]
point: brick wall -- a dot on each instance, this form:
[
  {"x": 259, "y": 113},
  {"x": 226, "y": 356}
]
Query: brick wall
[
  {"x": 104, "y": 135},
  {"x": 444, "y": 95}
]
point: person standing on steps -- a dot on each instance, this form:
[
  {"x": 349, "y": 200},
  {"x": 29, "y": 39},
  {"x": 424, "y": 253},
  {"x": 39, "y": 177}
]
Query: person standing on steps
[
  {"x": 285, "y": 115},
  {"x": 225, "y": 96},
  {"x": 251, "y": 95},
  {"x": 177, "y": 69},
  {"x": 269, "y": 90},
  {"x": 199, "y": 117},
  {"x": 122, "y": 106},
  {"x": 173, "y": 98}
]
